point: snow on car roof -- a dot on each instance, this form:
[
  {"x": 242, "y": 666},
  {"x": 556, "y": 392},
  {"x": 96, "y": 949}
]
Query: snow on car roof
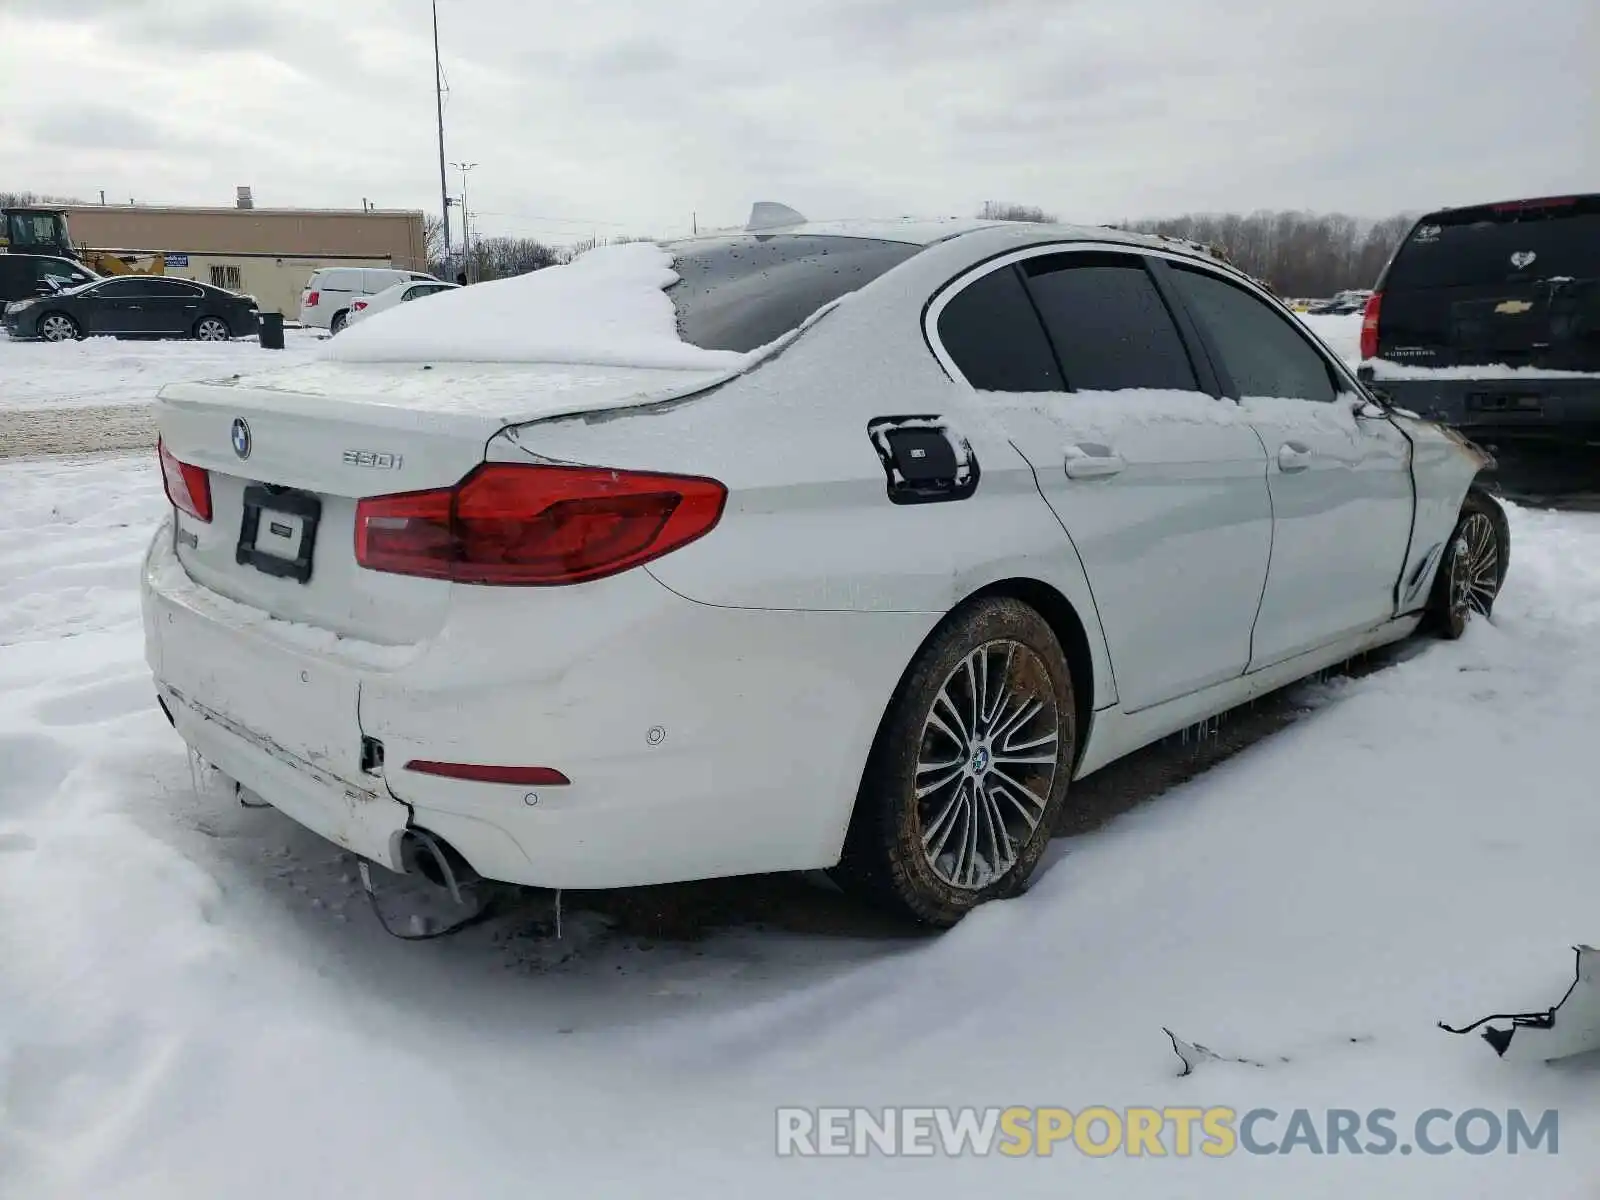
[{"x": 605, "y": 308}]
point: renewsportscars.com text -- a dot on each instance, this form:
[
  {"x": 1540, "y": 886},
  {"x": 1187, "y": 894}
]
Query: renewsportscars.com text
[{"x": 1217, "y": 1132}]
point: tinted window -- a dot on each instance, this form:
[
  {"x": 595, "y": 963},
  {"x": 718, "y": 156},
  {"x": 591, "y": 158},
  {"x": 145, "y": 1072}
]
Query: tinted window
[
  {"x": 1109, "y": 325},
  {"x": 991, "y": 332},
  {"x": 169, "y": 287},
  {"x": 1263, "y": 352},
  {"x": 119, "y": 289},
  {"x": 738, "y": 293},
  {"x": 1475, "y": 247}
]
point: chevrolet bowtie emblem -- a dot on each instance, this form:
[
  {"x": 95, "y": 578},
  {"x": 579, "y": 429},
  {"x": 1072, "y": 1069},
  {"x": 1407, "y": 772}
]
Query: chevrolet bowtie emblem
[{"x": 1512, "y": 307}]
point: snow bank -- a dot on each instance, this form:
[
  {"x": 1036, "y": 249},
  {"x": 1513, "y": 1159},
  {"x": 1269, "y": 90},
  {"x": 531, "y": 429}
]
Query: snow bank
[{"x": 606, "y": 308}]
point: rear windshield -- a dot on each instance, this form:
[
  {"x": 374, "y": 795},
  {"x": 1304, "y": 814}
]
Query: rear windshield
[
  {"x": 741, "y": 292},
  {"x": 1501, "y": 244}
]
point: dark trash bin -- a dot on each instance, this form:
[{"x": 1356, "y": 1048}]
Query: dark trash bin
[{"x": 271, "y": 331}]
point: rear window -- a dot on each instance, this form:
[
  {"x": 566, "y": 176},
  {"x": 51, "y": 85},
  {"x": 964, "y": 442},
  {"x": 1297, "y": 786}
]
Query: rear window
[
  {"x": 1495, "y": 245},
  {"x": 739, "y": 293}
]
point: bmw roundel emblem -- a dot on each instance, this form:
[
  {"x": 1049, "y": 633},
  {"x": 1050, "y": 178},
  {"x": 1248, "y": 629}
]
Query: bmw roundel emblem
[{"x": 241, "y": 437}]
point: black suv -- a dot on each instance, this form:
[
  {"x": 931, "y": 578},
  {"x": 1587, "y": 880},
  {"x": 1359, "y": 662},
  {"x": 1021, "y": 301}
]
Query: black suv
[
  {"x": 1488, "y": 319},
  {"x": 23, "y": 276}
]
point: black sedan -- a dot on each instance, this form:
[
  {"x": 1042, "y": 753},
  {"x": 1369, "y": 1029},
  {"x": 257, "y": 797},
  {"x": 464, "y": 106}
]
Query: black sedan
[{"x": 135, "y": 306}]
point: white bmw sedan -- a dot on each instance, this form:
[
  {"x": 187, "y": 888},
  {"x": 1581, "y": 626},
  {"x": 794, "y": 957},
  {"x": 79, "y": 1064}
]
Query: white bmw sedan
[{"x": 811, "y": 546}]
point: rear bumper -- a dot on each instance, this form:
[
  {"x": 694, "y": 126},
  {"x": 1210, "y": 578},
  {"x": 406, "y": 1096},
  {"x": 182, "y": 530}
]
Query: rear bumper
[
  {"x": 361, "y": 820},
  {"x": 283, "y": 726},
  {"x": 699, "y": 741}
]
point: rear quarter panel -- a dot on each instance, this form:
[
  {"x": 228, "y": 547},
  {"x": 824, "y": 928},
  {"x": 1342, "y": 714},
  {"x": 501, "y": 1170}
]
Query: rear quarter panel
[{"x": 809, "y": 525}]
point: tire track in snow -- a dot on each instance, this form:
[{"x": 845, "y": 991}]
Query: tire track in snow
[{"x": 32, "y": 433}]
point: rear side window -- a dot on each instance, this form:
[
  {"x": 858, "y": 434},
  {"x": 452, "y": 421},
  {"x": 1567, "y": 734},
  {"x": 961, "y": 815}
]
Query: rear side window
[
  {"x": 170, "y": 287},
  {"x": 742, "y": 292},
  {"x": 1110, "y": 328},
  {"x": 993, "y": 336},
  {"x": 377, "y": 281},
  {"x": 1492, "y": 246},
  {"x": 1263, "y": 353},
  {"x": 119, "y": 289}
]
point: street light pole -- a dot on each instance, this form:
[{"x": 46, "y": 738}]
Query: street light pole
[
  {"x": 466, "y": 239},
  {"x": 438, "y": 100}
]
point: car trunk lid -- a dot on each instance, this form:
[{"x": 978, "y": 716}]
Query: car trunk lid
[
  {"x": 289, "y": 455},
  {"x": 1513, "y": 284}
]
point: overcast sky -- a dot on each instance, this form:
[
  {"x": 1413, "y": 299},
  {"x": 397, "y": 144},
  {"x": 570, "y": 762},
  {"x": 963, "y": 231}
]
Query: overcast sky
[{"x": 629, "y": 115}]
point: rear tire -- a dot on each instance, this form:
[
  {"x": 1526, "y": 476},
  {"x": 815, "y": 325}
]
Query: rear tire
[
  {"x": 58, "y": 327},
  {"x": 1473, "y": 567},
  {"x": 970, "y": 769},
  {"x": 340, "y": 320}
]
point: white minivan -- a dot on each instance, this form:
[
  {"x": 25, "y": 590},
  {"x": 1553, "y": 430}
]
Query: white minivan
[{"x": 325, "y": 302}]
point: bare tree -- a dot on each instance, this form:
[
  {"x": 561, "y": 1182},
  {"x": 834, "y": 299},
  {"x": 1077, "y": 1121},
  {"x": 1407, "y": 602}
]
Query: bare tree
[
  {"x": 1295, "y": 253},
  {"x": 1004, "y": 210}
]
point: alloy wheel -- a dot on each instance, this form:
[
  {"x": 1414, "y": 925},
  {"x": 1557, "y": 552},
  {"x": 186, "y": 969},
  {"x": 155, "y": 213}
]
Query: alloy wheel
[
  {"x": 211, "y": 330},
  {"x": 987, "y": 763},
  {"x": 1474, "y": 566},
  {"x": 56, "y": 328}
]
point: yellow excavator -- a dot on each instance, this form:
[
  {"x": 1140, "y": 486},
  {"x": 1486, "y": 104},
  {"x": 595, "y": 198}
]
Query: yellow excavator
[{"x": 32, "y": 230}]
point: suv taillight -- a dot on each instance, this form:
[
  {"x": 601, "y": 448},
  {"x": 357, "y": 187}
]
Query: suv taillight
[
  {"x": 1369, "y": 325},
  {"x": 536, "y": 525},
  {"x": 312, "y": 298},
  {"x": 188, "y": 487},
  {"x": 358, "y": 306}
]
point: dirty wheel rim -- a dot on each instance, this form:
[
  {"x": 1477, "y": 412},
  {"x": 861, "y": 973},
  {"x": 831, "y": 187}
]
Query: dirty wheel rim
[
  {"x": 987, "y": 763},
  {"x": 1474, "y": 567},
  {"x": 56, "y": 329},
  {"x": 211, "y": 330}
]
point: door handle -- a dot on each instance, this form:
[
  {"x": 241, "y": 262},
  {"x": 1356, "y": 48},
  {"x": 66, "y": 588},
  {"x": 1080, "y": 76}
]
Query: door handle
[
  {"x": 1292, "y": 456},
  {"x": 1087, "y": 460}
]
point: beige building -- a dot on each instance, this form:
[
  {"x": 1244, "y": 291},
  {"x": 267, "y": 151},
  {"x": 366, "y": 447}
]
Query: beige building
[{"x": 268, "y": 253}]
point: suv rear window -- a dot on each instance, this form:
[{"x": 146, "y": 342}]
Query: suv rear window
[
  {"x": 741, "y": 292},
  {"x": 1496, "y": 244}
]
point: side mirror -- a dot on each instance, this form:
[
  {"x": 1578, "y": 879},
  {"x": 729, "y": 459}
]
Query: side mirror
[{"x": 1367, "y": 408}]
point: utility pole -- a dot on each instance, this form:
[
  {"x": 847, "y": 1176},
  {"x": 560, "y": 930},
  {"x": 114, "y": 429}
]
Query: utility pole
[
  {"x": 466, "y": 239},
  {"x": 438, "y": 99}
]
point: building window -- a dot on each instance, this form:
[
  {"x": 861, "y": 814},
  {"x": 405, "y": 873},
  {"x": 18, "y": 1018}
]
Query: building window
[{"x": 226, "y": 277}]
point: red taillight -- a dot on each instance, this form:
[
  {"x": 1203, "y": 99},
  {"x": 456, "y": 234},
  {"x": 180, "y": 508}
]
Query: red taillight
[
  {"x": 482, "y": 773},
  {"x": 312, "y": 298},
  {"x": 536, "y": 525},
  {"x": 188, "y": 487},
  {"x": 1369, "y": 325},
  {"x": 358, "y": 305}
]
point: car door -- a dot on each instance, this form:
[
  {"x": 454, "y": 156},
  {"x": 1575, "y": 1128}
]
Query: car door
[
  {"x": 170, "y": 306},
  {"x": 1342, "y": 499},
  {"x": 115, "y": 306},
  {"x": 1160, "y": 484}
]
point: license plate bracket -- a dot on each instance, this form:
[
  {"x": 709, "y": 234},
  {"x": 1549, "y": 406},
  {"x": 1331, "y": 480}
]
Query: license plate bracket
[{"x": 291, "y": 520}]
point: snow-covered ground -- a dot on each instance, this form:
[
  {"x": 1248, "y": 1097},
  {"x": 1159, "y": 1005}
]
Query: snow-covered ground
[
  {"x": 194, "y": 1001},
  {"x": 106, "y": 371}
]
